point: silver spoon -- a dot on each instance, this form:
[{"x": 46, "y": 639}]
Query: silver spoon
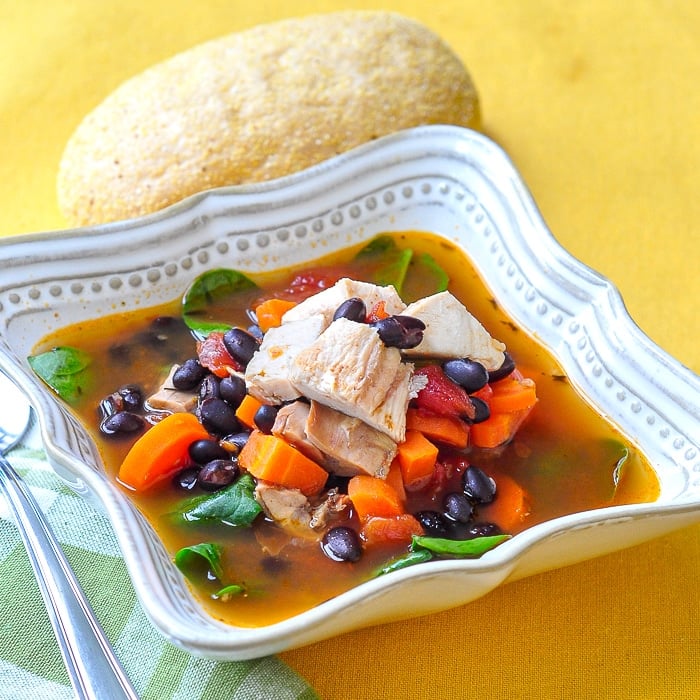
[{"x": 94, "y": 670}]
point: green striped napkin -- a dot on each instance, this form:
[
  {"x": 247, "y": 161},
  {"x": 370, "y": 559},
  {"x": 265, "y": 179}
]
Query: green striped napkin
[{"x": 30, "y": 662}]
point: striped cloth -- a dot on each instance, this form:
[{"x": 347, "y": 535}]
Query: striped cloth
[{"x": 30, "y": 662}]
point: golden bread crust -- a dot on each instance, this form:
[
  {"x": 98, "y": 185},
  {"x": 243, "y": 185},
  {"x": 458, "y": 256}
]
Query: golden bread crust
[{"x": 257, "y": 105}]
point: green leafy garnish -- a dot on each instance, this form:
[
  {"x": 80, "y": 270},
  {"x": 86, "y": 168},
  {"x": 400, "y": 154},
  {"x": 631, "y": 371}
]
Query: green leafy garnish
[
  {"x": 212, "y": 287},
  {"x": 229, "y": 591},
  {"x": 474, "y": 547},
  {"x": 197, "y": 560},
  {"x": 65, "y": 370},
  {"x": 414, "y": 557},
  {"x": 390, "y": 263},
  {"x": 233, "y": 505},
  {"x": 424, "y": 278}
]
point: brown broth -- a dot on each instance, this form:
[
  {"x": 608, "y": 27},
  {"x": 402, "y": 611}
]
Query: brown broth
[{"x": 561, "y": 456}]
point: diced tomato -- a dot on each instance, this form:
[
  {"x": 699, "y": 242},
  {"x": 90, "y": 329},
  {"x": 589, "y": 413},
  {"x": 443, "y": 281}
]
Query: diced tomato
[
  {"x": 441, "y": 395},
  {"x": 377, "y": 312},
  {"x": 215, "y": 357},
  {"x": 312, "y": 281}
]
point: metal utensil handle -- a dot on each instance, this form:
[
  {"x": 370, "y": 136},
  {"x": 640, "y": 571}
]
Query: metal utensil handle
[{"x": 94, "y": 670}]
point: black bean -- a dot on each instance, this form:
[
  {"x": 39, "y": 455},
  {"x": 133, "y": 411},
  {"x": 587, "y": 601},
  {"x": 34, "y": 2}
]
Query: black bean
[
  {"x": 203, "y": 451},
  {"x": 483, "y": 529},
  {"x": 165, "y": 324},
  {"x": 401, "y": 332},
  {"x": 481, "y": 410},
  {"x": 504, "y": 370},
  {"x": 255, "y": 331},
  {"x": 122, "y": 422},
  {"x": 209, "y": 387},
  {"x": 186, "y": 479},
  {"x": 234, "y": 443},
  {"x": 457, "y": 507},
  {"x": 469, "y": 374},
  {"x": 218, "y": 417},
  {"x": 264, "y": 418},
  {"x": 477, "y": 485},
  {"x": 353, "y": 309},
  {"x": 432, "y": 522},
  {"x": 216, "y": 474},
  {"x": 120, "y": 353},
  {"x": 132, "y": 397},
  {"x": 189, "y": 374},
  {"x": 342, "y": 544},
  {"x": 232, "y": 390},
  {"x": 274, "y": 565},
  {"x": 241, "y": 344}
]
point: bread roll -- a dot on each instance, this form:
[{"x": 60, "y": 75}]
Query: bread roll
[{"x": 257, "y": 105}]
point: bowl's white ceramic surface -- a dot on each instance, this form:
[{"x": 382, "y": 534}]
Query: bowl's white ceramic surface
[{"x": 447, "y": 180}]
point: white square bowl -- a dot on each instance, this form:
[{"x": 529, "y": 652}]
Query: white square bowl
[{"x": 447, "y": 180}]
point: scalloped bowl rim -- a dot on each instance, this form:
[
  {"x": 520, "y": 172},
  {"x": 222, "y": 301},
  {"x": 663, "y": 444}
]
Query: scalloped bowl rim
[{"x": 466, "y": 181}]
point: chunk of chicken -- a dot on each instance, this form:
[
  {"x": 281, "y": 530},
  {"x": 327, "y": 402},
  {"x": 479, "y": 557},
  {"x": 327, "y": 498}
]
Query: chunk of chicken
[
  {"x": 293, "y": 511},
  {"x": 267, "y": 375},
  {"x": 451, "y": 331},
  {"x": 289, "y": 508},
  {"x": 168, "y": 398},
  {"x": 349, "y": 445},
  {"x": 327, "y": 301},
  {"x": 290, "y": 424},
  {"x": 349, "y": 368}
]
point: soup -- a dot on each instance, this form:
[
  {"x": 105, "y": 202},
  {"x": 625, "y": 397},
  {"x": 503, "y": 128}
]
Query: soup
[{"x": 559, "y": 457}]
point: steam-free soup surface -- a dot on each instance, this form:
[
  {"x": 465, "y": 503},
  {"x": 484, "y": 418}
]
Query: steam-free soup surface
[{"x": 564, "y": 456}]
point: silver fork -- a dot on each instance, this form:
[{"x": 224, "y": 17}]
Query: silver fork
[{"x": 94, "y": 670}]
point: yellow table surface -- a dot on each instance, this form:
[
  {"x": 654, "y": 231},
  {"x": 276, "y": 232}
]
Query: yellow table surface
[{"x": 598, "y": 104}]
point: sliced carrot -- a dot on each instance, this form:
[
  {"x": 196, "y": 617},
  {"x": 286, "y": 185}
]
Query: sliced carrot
[
  {"x": 161, "y": 451},
  {"x": 395, "y": 480},
  {"x": 269, "y": 313},
  {"x": 496, "y": 430},
  {"x": 372, "y": 496},
  {"x": 417, "y": 457},
  {"x": 511, "y": 505},
  {"x": 270, "y": 458},
  {"x": 247, "y": 409},
  {"x": 449, "y": 430},
  {"x": 398, "y": 528},
  {"x": 512, "y": 394}
]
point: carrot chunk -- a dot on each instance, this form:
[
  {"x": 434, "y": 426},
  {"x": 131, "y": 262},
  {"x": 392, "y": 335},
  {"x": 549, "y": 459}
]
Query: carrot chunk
[
  {"x": 511, "y": 505},
  {"x": 512, "y": 394},
  {"x": 269, "y": 312},
  {"x": 247, "y": 409},
  {"x": 417, "y": 457},
  {"x": 270, "y": 458},
  {"x": 371, "y": 496},
  {"x": 395, "y": 479},
  {"x": 161, "y": 451},
  {"x": 498, "y": 429},
  {"x": 378, "y": 530},
  {"x": 446, "y": 429}
]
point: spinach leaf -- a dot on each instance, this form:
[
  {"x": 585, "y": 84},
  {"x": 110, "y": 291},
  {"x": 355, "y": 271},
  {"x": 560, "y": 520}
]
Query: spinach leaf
[
  {"x": 415, "y": 557},
  {"x": 458, "y": 548},
  {"x": 234, "y": 505},
  {"x": 210, "y": 287},
  {"x": 390, "y": 263},
  {"x": 65, "y": 370},
  {"x": 197, "y": 560},
  {"x": 229, "y": 591},
  {"x": 424, "y": 278}
]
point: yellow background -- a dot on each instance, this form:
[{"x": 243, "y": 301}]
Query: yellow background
[{"x": 598, "y": 105}]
